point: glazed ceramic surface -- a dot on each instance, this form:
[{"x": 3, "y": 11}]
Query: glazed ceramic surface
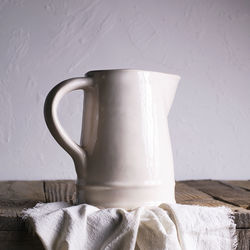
[{"x": 124, "y": 158}]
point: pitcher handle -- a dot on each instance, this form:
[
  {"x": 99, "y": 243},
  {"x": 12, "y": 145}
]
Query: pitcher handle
[{"x": 52, "y": 101}]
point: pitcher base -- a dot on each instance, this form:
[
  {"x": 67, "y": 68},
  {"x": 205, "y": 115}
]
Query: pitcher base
[{"x": 125, "y": 197}]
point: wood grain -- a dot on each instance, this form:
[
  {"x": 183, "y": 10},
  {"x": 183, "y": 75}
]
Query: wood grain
[
  {"x": 226, "y": 193},
  {"x": 22, "y": 191},
  {"x": 242, "y": 184},
  {"x": 16, "y": 196},
  {"x": 242, "y": 219},
  {"x": 243, "y": 239},
  {"x": 183, "y": 192},
  {"x": 60, "y": 190},
  {"x": 188, "y": 195}
]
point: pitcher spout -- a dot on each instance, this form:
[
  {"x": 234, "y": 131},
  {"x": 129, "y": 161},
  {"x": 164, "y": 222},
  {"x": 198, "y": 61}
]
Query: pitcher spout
[
  {"x": 169, "y": 88},
  {"x": 163, "y": 88}
]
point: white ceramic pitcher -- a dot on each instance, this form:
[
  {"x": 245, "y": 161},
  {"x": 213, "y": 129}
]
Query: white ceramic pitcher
[{"x": 124, "y": 158}]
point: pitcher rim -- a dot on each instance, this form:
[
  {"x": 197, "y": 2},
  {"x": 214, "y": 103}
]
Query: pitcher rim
[{"x": 140, "y": 70}]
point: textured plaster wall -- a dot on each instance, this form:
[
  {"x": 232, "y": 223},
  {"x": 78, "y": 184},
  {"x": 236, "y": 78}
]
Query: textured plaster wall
[{"x": 207, "y": 42}]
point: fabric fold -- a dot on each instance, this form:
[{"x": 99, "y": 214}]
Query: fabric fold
[{"x": 167, "y": 227}]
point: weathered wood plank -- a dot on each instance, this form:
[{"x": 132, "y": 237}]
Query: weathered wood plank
[
  {"x": 226, "y": 193},
  {"x": 60, "y": 190},
  {"x": 184, "y": 192},
  {"x": 216, "y": 190},
  {"x": 243, "y": 239},
  {"x": 19, "y": 241},
  {"x": 22, "y": 191},
  {"x": 242, "y": 219},
  {"x": 242, "y": 184},
  {"x": 191, "y": 196},
  {"x": 16, "y": 196}
]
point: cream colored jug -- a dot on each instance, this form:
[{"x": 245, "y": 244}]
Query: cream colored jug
[{"x": 124, "y": 158}]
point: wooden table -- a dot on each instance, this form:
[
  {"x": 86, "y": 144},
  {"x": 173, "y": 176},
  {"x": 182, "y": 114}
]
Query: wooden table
[{"x": 17, "y": 195}]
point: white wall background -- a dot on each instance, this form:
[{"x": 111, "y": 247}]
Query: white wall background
[{"x": 207, "y": 42}]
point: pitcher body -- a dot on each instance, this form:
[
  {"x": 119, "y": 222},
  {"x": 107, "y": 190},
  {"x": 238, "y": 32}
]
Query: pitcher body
[{"x": 124, "y": 158}]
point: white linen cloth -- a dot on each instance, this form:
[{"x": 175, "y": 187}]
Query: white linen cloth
[{"x": 61, "y": 226}]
